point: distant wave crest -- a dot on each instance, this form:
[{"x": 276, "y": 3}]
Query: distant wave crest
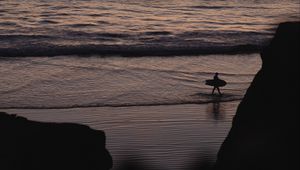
[{"x": 149, "y": 43}]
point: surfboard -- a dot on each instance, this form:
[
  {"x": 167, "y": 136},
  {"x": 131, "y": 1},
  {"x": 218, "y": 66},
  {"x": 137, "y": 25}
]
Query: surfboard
[{"x": 217, "y": 83}]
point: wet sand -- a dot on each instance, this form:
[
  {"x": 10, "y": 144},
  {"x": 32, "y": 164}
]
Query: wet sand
[{"x": 163, "y": 137}]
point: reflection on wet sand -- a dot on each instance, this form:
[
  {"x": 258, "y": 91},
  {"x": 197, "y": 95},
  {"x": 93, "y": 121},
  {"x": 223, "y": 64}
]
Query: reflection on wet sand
[{"x": 215, "y": 110}]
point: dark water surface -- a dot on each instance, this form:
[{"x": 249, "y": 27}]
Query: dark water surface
[{"x": 36, "y": 27}]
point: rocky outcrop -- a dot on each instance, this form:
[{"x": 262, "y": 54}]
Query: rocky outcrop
[
  {"x": 26, "y": 144},
  {"x": 265, "y": 130}
]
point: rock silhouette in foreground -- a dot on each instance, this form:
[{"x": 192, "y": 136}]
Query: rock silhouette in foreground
[
  {"x": 35, "y": 145},
  {"x": 265, "y": 130}
]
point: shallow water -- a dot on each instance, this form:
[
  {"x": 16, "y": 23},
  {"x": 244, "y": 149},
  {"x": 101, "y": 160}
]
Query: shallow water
[{"x": 67, "y": 82}]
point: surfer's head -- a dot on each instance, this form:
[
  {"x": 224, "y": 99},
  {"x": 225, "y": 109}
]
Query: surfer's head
[{"x": 216, "y": 74}]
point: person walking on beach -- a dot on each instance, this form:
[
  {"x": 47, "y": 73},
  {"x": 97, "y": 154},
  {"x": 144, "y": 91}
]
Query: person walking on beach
[{"x": 216, "y": 86}]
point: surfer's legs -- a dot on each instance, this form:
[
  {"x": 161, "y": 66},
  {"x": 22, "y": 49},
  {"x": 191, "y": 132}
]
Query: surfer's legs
[
  {"x": 213, "y": 90},
  {"x": 219, "y": 91}
]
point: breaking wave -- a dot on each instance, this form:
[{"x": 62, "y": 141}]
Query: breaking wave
[
  {"x": 126, "y": 51},
  {"x": 149, "y": 43}
]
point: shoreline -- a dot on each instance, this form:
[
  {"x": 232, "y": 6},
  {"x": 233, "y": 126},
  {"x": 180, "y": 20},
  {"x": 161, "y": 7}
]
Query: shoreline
[{"x": 120, "y": 106}]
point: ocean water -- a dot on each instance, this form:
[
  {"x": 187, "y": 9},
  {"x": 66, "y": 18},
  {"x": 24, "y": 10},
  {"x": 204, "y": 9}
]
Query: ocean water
[
  {"x": 139, "y": 27},
  {"x": 136, "y": 69}
]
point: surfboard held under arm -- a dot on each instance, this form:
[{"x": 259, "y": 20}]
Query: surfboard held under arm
[{"x": 215, "y": 83}]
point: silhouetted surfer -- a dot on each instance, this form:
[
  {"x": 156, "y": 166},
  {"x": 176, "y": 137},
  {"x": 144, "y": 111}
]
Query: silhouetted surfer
[
  {"x": 216, "y": 79},
  {"x": 216, "y": 83}
]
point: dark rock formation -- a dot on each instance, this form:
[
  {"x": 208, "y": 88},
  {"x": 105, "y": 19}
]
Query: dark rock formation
[
  {"x": 265, "y": 130},
  {"x": 31, "y": 145}
]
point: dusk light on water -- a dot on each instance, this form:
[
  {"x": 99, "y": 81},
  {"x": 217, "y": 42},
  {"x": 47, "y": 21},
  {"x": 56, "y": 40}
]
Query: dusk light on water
[{"x": 138, "y": 70}]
